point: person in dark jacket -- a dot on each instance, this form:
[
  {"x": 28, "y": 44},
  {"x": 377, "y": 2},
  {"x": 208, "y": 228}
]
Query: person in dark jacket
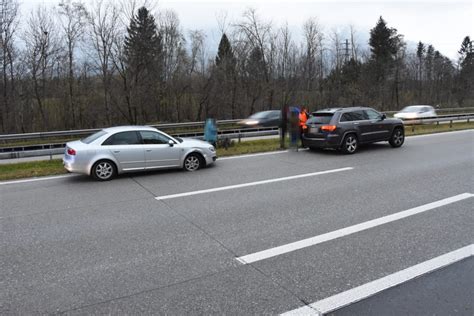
[{"x": 283, "y": 125}]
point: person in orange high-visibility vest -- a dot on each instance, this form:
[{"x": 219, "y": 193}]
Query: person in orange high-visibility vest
[{"x": 303, "y": 118}]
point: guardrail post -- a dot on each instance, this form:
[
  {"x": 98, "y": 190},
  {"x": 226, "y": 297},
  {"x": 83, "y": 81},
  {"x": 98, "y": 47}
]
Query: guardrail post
[
  {"x": 451, "y": 124},
  {"x": 413, "y": 128},
  {"x": 240, "y": 136}
]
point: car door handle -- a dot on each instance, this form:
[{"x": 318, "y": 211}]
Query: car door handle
[
  {"x": 116, "y": 151},
  {"x": 356, "y": 123},
  {"x": 148, "y": 150}
]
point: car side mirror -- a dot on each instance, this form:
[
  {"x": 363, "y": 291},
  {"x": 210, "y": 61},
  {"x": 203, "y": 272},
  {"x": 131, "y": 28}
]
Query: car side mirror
[
  {"x": 171, "y": 143},
  {"x": 384, "y": 116}
]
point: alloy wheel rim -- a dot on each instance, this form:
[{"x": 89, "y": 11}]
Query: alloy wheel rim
[
  {"x": 192, "y": 163},
  {"x": 398, "y": 138},
  {"x": 104, "y": 170},
  {"x": 351, "y": 144}
]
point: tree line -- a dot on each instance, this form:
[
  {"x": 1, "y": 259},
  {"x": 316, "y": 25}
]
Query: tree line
[{"x": 120, "y": 62}]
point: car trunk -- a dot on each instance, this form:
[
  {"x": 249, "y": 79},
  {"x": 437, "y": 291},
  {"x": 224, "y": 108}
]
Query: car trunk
[{"x": 315, "y": 122}]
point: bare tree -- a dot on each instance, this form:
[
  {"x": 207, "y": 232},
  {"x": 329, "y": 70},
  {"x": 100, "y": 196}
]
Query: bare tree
[
  {"x": 286, "y": 65},
  {"x": 258, "y": 34},
  {"x": 313, "y": 36},
  {"x": 8, "y": 26},
  {"x": 42, "y": 48},
  {"x": 104, "y": 28},
  {"x": 73, "y": 19},
  {"x": 338, "y": 57}
]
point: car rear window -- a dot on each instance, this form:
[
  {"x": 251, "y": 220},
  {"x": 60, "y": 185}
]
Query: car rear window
[
  {"x": 320, "y": 118},
  {"x": 89, "y": 139},
  {"x": 123, "y": 138}
]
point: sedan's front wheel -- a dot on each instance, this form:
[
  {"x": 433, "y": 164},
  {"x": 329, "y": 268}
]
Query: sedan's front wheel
[
  {"x": 193, "y": 162},
  {"x": 104, "y": 170}
]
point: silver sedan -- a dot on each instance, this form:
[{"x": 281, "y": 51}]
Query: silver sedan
[{"x": 116, "y": 150}]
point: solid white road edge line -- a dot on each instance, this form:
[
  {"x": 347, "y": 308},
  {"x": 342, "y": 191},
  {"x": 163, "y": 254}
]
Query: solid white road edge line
[
  {"x": 272, "y": 252},
  {"x": 364, "y": 291},
  {"x": 464, "y": 131},
  {"x": 261, "y": 154},
  {"x": 254, "y": 155},
  {"x": 38, "y": 179},
  {"x": 243, "y": 185}
]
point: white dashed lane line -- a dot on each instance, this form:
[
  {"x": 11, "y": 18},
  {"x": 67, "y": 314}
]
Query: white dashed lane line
[
  {"x": 364, "y": 291},
  {"x": 248, "y": 184},
  {"x": 276, "y": 251}
]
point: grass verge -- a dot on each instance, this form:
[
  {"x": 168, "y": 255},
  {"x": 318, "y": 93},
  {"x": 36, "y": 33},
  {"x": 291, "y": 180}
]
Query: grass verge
[{"x": 55, "y": 167}]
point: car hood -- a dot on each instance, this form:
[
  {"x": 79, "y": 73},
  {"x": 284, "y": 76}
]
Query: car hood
[{"x": 191, "y": 142}]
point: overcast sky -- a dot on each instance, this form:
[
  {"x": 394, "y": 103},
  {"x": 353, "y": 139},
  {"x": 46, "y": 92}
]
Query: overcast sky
[{"x": 442, "y": 23}]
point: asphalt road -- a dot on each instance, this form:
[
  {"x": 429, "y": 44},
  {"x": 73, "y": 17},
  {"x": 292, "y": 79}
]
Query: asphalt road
[{"x": 72, "y": 245}]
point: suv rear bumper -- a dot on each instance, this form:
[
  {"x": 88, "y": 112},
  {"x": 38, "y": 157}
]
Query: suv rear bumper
[{"x": 329, "y": 141}]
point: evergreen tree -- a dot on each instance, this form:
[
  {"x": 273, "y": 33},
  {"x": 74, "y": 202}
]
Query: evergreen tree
[
  {"x": 143, "y": 43},
  {"x": 225, "y": 55},
  {"x": 429, "y": 62},
  {"x": 420, "y": 52},
  {"x": 466, "y": 53},
  {"x": 225, "y": 78},
  {"x": 384, "y": 42},
  {"x": 385, "y": 62},
  {"x": 465, "y": 85},
  {"x": 143, "y": 66}
]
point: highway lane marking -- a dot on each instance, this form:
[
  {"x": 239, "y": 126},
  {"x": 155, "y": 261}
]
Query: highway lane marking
[
  {"x": 276, "y": 251},
  {"x": 364, "y": 291},
  {"x": 243, "y": 185},
  {"x": 37, "y": 179},
  {"x": 467, "y": 131}
]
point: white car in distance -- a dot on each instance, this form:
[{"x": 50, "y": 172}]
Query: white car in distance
[{"x": 416, "y": 112}]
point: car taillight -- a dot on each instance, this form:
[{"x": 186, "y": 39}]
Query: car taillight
[
  {"x": 328, "y": 128},
  {"x": 71, "y": 152}
]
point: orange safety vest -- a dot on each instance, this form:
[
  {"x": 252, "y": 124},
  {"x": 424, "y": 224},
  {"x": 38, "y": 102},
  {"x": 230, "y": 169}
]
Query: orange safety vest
[{"x": 303, "y": 118}]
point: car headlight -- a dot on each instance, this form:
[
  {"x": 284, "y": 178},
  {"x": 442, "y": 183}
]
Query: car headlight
[
  {"x": 212, "y": 149},
  {"x": 251, "y": 122}
]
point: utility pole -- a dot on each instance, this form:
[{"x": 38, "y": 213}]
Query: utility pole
[{"x": 346, "y": 55}]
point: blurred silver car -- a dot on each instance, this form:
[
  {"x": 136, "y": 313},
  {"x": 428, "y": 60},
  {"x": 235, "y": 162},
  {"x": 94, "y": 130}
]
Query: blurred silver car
[
  {"x": 116, "y": 150},
  {"x": 416, "y": 112}
]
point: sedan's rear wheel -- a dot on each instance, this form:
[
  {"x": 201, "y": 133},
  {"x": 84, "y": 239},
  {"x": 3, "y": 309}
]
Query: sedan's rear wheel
[
  {"x": 398, "y": 138},
  {"x": 350, "y": 144},
  {"x": 193, "y": 162},
  {"x": 104, "y": 170}
]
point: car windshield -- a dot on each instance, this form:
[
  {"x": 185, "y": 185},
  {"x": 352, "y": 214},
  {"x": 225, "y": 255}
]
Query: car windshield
[
  {"x": 89, "y": 139},
  {"x": 261, "y": 114},
  {"x": 320, "y": 118}
]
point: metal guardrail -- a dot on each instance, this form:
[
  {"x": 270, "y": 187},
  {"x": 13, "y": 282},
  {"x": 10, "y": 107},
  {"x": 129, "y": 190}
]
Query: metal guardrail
[
  {"x": 58, "y": 148},
  {"x": 83, "y": 132}
]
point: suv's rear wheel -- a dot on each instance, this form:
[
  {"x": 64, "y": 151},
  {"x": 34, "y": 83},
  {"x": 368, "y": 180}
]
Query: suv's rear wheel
[
  {"x": 350, "y": 144},
  {"x": 398, "y": 138}
]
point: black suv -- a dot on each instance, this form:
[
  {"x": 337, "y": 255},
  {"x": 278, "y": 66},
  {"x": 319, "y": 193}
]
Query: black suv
[{"x": 346, "y": 128}]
